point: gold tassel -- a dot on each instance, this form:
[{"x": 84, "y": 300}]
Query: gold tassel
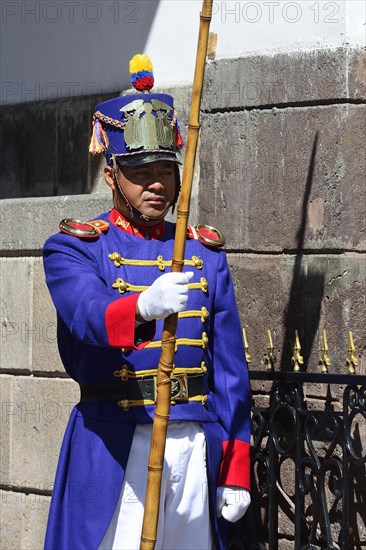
[{"x": 99, "y": 141}]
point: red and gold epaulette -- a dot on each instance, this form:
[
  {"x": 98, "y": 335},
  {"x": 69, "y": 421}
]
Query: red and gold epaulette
[
  {"x": 206, "y": 234},
  {"x": 84, "y": 230}
]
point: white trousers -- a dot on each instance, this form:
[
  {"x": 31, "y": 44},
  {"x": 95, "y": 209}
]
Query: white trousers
[{"x": 184, "y": 522}]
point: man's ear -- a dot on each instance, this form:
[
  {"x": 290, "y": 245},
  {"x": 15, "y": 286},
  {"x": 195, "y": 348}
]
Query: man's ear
[{"x": 109, "y": 177}]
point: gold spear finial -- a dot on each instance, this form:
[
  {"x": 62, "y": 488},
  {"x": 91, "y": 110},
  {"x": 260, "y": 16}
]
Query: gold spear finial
[
  {"x": 351, "y": 359},
  {"x": 297, "y": 359},
  {"x": 324, "y": 360},
  {"x": 246, "y": 346},
  {"x": 269, "y": 357}
]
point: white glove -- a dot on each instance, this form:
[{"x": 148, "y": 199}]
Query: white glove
[
  {"x": 168, "y": 294},
  {"x": 232, "y": 502}
]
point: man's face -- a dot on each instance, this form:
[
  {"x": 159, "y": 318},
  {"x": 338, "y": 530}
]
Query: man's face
[{"x": 150, "y": 188}]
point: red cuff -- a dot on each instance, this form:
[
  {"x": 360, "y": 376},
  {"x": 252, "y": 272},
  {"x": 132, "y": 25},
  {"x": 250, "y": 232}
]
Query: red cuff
[
  {"x": 235, "y": 466},
  {"x": 120, "y": 319}
]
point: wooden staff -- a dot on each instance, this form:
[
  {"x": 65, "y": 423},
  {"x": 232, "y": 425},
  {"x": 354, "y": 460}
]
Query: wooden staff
[{"x": 165, "y": 367}]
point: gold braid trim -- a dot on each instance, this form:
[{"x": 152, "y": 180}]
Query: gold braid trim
[
  {"x": 125, "y": 404},
  {"x": 109, "y": 120},
  {"x": 202, "y": 313},
  {"x": 123, "y": 286},
  {"x": 118, "y": 260},
  {"x": 202, "y": 285},
  {"x": 182, "y": 342},
  {"x": 126, "y": 373},
  {"x": 195, "y": 370}
]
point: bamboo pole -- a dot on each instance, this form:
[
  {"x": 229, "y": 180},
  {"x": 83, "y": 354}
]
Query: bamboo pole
[{"x": 165, "y": 367}]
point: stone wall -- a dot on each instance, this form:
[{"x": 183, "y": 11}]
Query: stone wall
[
  {"x": 45, "y": 145},
  {"x": 36, "y": 396},
  {"x": 282, "y": 174}
]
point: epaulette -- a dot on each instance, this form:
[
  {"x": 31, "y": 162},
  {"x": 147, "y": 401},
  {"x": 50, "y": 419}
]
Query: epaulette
[
  {"x": 206, "y": 234},
  {"x": 84, "y": 230}
]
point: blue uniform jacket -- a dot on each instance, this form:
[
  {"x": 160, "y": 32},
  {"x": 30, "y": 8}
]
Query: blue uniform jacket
[{"x": 94, "y": 284}]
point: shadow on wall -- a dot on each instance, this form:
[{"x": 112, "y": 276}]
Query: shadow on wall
[
  {"x": 307, "y": 289},
  {"x": 44, "y": 143}
]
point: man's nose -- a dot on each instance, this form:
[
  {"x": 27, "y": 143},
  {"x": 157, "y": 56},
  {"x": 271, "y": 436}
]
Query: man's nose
[{"x": 155, "y": 183}]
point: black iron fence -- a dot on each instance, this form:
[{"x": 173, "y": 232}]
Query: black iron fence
[{"x": 308, "y": 465}]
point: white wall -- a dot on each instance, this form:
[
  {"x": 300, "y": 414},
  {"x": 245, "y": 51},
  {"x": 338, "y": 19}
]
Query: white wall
[
  {"x": 246, "y": 27},
  {"x": 61, "y": 48},
  {"x": 355, "y": 22}
]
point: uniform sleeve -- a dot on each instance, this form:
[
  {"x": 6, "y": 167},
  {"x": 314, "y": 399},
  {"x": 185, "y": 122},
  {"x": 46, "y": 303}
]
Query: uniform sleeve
[
  {"x": 84, "y": 302},
  {"x": 231, "y": 382}
]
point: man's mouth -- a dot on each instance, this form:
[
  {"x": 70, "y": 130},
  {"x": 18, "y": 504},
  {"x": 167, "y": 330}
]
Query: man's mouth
[{"x": 155, "y": 200}]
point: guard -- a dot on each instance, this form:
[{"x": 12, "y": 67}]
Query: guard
[{"x": 111, "y": 282}]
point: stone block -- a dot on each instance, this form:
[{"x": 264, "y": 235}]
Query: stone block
[
  {"x": 40, "y": 218},
  {"x": 45, "y": 356},
  {"x": 36, "y": 514},
  {"x": 45, "y": 147},
  {"x": 260, "y": 401},
  {"x": 16, "y": 313},
  {"x": 315, "y": 405},
  {"x": 326, "y": 393},
  {"x": 357, "y": 74},
  {"x": 285, "y": 293},
  {"x": 260, "y": 386},
  {"x": 344, "y": 307},
  {"x": 294, "y": 178},
  {"x": 286, "y": 544},
  {"x": 284, "y": 78},
  {"x": 7, "y": 408},
  {"x": 12, "y": 520},
  {"x": 23, "y": 519},
  {"x": 96, "y": 181},
  {"x": 28, "y": 150},
  {"x": 40, "y": 411},
  {"x": 72, "y": 133}
]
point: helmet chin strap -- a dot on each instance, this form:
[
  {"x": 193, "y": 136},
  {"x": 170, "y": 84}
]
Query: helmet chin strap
[{"x": 133, "y": 208}]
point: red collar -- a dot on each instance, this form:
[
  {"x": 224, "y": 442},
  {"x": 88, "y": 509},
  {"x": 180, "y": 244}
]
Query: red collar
[{"x": 128, "y": 226}]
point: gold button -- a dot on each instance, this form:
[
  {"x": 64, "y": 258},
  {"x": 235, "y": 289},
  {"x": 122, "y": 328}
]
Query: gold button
[{"x": 157, "y": 231}]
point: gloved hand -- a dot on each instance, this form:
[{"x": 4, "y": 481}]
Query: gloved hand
[
  {"x": 232, "y": 502},
  {"x": 168, "y": 294}
]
